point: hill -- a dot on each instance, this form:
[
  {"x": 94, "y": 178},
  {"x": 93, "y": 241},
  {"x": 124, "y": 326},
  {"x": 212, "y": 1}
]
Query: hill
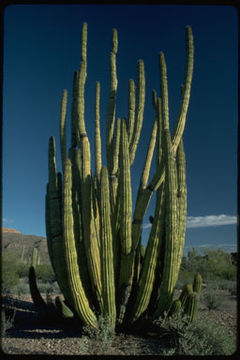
[{"x": 13, "y": 241}]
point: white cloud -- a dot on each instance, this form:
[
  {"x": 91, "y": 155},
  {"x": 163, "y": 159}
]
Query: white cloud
[
  {"x": 206, "y": 221},
  {"x": 210, "y": 220}
]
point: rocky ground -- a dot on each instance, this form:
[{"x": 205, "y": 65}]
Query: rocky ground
[{"x": 30, "y": 335}]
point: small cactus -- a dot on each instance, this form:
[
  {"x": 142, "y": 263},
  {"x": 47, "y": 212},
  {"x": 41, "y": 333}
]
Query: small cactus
[{"x": 197, "y": 283}]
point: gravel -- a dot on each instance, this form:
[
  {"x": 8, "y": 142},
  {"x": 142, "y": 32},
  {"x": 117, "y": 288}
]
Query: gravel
[{"x": 31, "y": 336}]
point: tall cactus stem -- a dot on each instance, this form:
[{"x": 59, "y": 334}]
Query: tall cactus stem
[
  {"x": 107, "y": 270},
  {"x": 131, "y": 109},
  {"x": 139, "y": 110},
  {"x": 126, "y": 193},
  {"x": 63, "y": 128},
  {"x": 112, "y": 101},
  {"x": 98, "y": 151},
  {"x": 179, "y": 128},
  {"x": 77, "y": 294}
]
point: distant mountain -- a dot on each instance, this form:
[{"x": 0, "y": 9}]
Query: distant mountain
[{"x": 14, "y": 241}]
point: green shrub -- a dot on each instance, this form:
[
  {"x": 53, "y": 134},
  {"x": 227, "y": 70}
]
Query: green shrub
[
  {"x": 211, "y": 264},
  {"x": 22, "y": 269},
  {"x": 103, "y": 335},
  {"x": 10, "y": 276},
  {"x": 202, "y": 337},
  {"x": 211, "y": 299},
  {"x": 44, "y": 272}
]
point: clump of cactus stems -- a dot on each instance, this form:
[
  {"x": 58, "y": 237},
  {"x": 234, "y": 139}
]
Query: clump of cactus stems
[
  {"x": 188, "y": 299},
  {"x": 93, "y": 230}
]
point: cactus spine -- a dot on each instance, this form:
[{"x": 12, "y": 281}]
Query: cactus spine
[{"x": 93, "y": 231}]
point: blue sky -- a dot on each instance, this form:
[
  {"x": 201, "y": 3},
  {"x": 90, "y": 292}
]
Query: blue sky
[{"x": 41, "y": 53}]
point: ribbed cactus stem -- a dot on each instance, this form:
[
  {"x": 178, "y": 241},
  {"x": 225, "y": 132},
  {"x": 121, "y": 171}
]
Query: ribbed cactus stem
[
  {"x": 197, "y": 283},
  {"x": 63, "y": 309},
  {"x": 115, "y": 170},
  {"x": 168, "y": 275},
  {"x": 181, "y": 204},
  {"x": 191, "y": 307},
  {"x": 139, "y": 110},
  {"x": 98, "y": 151},
  {"x": 150, "y": 260},
  {"x": 81, "y": 128},
  {"x": 35, "y": 257},
  {"x": 131, "y": 109},
  {"x": 77, "y": 294},
  {"x": 187, "y": 290},
  {"x": 63, "y": 127},
  {"x": 84, "y": 43},
  {"x": 74, "y": 108},
  {"x": 107, "y": 270},
  {"x": 179, "y": 128},
  {"x": 148, "y": 160},
  {"x": 126, "y": 193},
  {"x": 175, "y": 308},
  {"x": 143, "y": 199},
  {"x": 35, "y": 294},
  {"x": 112, "y": 100}
]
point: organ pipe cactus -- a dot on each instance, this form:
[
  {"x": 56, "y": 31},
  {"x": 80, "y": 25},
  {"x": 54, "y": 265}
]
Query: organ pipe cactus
[{"x": 93, "y": 229}]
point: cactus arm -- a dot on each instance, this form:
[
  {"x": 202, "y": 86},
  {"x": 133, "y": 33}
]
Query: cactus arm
[
  {"x": 98, "y": 156},
  {"x": 168, "y": 276},
  {"x": 89, "y": 227},
  {"x": 115, "y": 170},
  {"x": 81, "y": 128},
  {"x": 74, "y": 110},
  {"x": 150, "y": 260},
  {"x": 35, "y": 257},
  {"x": 48, "y": 226},
  {"x": 63, "y": 127},
  {"x": 107, "y": 266},
  {"x": 181, "y": 205},
  {"x": 145, "y": 193},
  {"x": 144, "y": 197},
  {"x": 131, "y": 109},
  {"x": 63, "y": 309},
  {"x": 127, "y": 255},
  {"x": 116, "y": 149},
  {"x": 35, "y": 294},
  {"x": 139, "y": 111},
  {"x": 179, "y": 128},
  {"x": 76, "y": 291},
  {"x": 54, "y": 199},
  {"x": 74, "y": 155},
  {"x": 148, "y": 160},
  {"x": 91, "y": 239},
  {"x": 125, "y": 283},
  {"x": 126, "y": 193},
  {"x": 112, "y": 100}
]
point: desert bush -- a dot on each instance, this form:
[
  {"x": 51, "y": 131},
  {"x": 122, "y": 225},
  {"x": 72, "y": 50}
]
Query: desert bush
[
  {"x": 44, "y": 272},
  {"x": 203, "y": 337},
  {"x": 22, "y": 287},
  {"x": 10, "y": 276},
  {"x": 103, "y": 335},
  {"x": 211, "y": 264},
  {"x": 211, "y": 299}
]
